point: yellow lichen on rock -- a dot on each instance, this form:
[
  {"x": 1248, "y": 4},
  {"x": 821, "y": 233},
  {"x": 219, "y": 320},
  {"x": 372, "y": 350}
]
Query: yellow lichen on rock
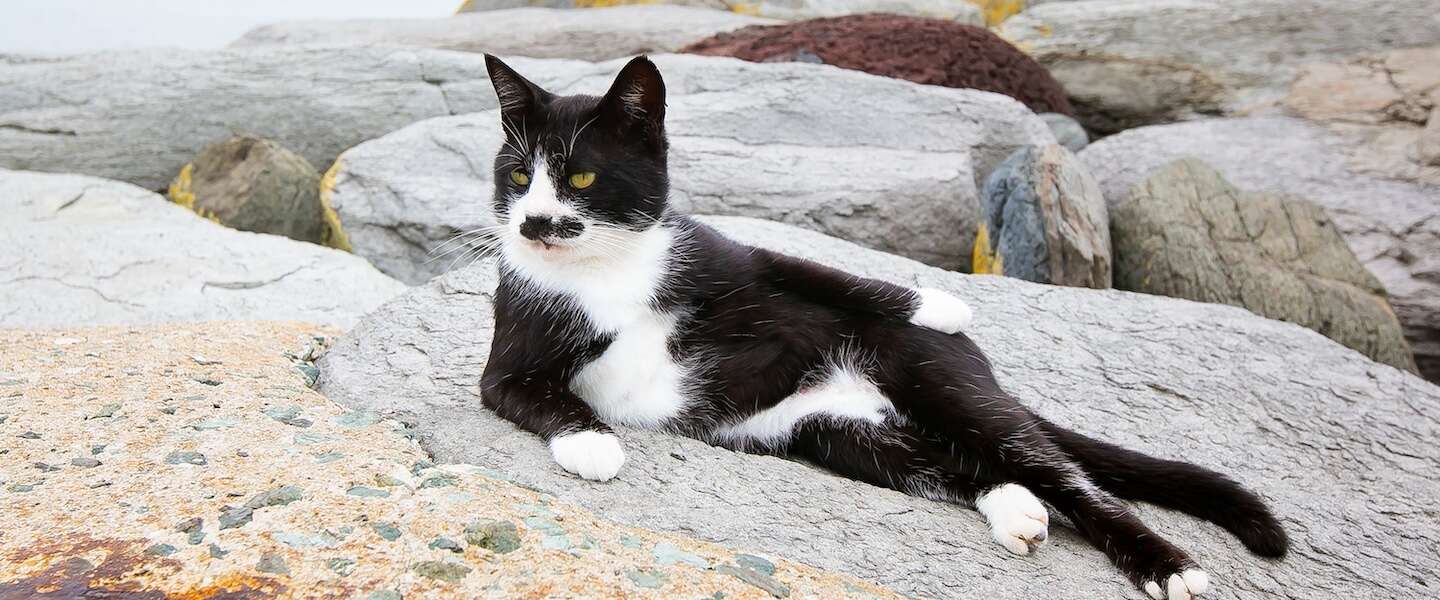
[
  {"x": 334, "y": 234},
  {"x": 984, "y": 260},
  {"x": 180, "y": 193},
  {"x": 996, "y": 11}
]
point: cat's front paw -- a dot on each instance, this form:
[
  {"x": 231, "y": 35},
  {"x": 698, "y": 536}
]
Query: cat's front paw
[
  {"x": 592, "y": 455},
  {"x": 1018, "y": 521},
  {"x": 941, "y": 311}
]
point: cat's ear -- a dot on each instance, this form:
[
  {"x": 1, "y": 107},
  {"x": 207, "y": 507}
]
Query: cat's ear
[
  {"x": 636, "y": 101},
  {"x": 518, "y": 97}
]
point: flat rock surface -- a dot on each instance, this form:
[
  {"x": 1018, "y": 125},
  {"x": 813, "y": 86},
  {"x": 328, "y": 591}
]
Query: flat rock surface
[
  {"x": 191, "y": 461},
  {"x": 786, "y": 142},
  {"x": 1393, "y": 226},
  {"x": 964, "y": 11},
  {"x": 1134, "y": 62},
  {"x": 1344, "y": 451},
  {"x": 595, "y": 34},
  {"x": 87, "y": 251}
]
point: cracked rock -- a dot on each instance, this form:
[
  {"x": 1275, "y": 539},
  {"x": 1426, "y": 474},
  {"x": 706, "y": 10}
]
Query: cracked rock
[
  {"x": 92, "y": 252},
  {"x": 1208, "y": 383},
  {"x": 787, "y": 142}
]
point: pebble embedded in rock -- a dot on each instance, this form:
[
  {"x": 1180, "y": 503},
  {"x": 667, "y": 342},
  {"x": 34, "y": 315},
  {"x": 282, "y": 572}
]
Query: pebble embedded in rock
[
  {"x": 185, "y": 457},
  {"x": 755, "y": 563},
  {"x": 276, "y": 497},
  {"x": 46, "y": 468},
  {"x": 160, "y": 550},
  {"x": 646, "y": 578},
  {"x": 29, "y": 435},
  {"x": 289, "y": 415},
  {"x": 496, "y": 536},
  {"x": 667, "y": 553},
  {"x": 272, "y": 563},
  {"x": 21, "y": 487},
  {"x": 341, "y": 566},
  {"x": 443, "y": 571},
  {"x": 105, "y": 412},
  {"x": 217, "y": 552},
  {"x": 87, "y": 463},
  {"x": 367, "y": 492},
  {"x": 389, "y": 531},
  {"x": 757, "y": 579},
  {"x": 236, "y": 517}
]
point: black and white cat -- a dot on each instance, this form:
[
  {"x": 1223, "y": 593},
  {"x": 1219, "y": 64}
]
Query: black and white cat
[{"x": 612, "y": 310}]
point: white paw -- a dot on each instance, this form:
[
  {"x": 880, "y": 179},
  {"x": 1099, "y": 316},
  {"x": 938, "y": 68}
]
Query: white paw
[
  {"x": 941, "y": 311},
  {"x": 589, "y": 454},
  {"x": 1180, "y": 586},
  {"x": 1017, "y": 518}
]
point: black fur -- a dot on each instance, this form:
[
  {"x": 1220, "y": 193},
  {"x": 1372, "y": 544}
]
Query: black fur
[{"x": 771, "y": 322}]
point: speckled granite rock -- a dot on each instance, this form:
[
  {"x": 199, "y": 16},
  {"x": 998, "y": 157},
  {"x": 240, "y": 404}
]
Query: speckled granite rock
[
  {"x": 1341, "y": 446},
  {"x": 335, "y": 503},
  {"x": 86, "y": 251},
  {"x": 957, "y": 10},
  {"x": 787, "y": 142},
  {"x": 596, "y": 34},
  {"x": 1393, "y": 226}
]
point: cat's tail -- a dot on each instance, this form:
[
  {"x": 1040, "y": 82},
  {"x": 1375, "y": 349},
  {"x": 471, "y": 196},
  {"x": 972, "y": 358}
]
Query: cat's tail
[{"x": 1182, "y": 486}]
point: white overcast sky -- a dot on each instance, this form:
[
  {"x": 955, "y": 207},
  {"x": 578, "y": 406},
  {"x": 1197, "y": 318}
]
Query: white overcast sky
[{"x": 68, "y": 26}]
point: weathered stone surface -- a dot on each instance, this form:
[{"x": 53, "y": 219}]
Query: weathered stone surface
[
  {"x": 1392, "y": 226},
  {"x": 1068, "y": 132},
  {"x": 929, "y": 51},
  {"x": 598, "y": 34},
  {"x": 1043, "y": 219},
  {"x": 252, "y": 184},
  {"x": 1342, "y": 447},
  {"x": 135, "y": 527},
  {"x": 1185, "y": 232},
  {"x": 955, "y": 10},
  {"x": 139, "y": 116},
  {"x": 1135, "y": 62},
  {"x": 82, "y": 251},
  {"x": 787, "y": 142}
]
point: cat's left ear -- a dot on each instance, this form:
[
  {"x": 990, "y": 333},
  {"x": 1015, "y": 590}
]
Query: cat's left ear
[{"x": 636, "y": 100}]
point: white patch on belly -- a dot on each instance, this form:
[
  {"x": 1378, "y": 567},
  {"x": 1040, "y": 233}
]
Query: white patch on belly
[
  {"x": 846, "y": 394},
  {"x": 636, "y": 381}
]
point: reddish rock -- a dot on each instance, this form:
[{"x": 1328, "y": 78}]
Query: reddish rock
[{"x": 930, "y": 51}]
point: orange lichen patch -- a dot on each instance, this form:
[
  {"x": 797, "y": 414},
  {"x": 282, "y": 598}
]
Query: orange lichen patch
[
  {"x": 85, "y": 567},
  {"x": 996, "y": 11}
]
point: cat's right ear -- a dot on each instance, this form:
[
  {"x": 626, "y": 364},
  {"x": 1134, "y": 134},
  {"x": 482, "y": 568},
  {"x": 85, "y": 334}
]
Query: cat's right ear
[{"x": 518, "y": 97}]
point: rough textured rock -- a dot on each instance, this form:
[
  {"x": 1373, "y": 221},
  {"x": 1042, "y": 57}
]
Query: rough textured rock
[
  {"x": 929, "y": 51},
  {"x": 955, "y": 10},
  {"x": 598, "y": 34},
  {"x": 1340, "y": 445},
  {"x": 788, "y": 142},
  {"x": 1185, "y": 232},
  {"x": 139, "y": 116},
  {"x": 252, "y": 184},
  {"x": 344, "y": 505},
  {"x": 1384, "y": 101},
  {"x": 1043, "y": 219},
  {"x": 83, "y": 251},
  {"x": 1134, "y": 62},
  {"x": 1068, "y": 132},
  {"x": 1393, "y": 226}
]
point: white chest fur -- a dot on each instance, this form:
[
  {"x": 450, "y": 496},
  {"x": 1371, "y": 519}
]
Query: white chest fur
[{"x": 636, "y": 381}]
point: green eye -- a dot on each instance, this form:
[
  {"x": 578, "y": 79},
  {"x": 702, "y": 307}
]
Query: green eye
[
  {"x": 583, "y": 180},
  {"x": 520, "y": 177}
]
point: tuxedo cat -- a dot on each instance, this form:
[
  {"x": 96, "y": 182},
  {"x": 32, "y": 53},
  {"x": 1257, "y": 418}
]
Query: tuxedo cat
[{"x": 612, "y": 310}]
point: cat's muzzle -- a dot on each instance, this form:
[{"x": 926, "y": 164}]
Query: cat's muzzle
[{"x": 544, "y": 228}]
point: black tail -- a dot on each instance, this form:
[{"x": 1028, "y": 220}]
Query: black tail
[{"x": 1194, "y": 490}]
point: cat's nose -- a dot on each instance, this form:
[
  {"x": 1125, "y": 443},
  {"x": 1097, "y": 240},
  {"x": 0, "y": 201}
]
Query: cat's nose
[{"x": 535, "y": 227}]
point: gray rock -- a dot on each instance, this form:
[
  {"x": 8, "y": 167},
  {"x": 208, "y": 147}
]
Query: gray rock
[
  {"x": 1185, "y": 232},
  {"x": 958, "y": 10},
  {"x": 1044, "y": 220},
  {"x": 252, "y": 184},
  {"x": 1068, "y": 132},
  {"x": 596, "y": 34},
  {"x": 86, "y": 251},
  {"x": 1429, "y": 146},
  {"x": 1127, "y": 62},
  {"x": 1342, "y": 446},
  {"x": 788, "y": 142},
  {"x": 1393, "y": 226}
]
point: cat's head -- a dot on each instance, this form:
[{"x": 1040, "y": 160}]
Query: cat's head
[{"x": 579, "y": 174}]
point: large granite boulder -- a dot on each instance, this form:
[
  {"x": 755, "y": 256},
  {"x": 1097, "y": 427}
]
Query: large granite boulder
[
  {"x": 1043, "y": 219},
  {"x": 1392, "y": 226},
  {"x": 253, "y": 184},
  {"x": 929, "y": 51},
  {"x": 1135, "y": 62},
  {"x": 1185, "y": 232},
  {"x": 139, "y": 116},
  {"x": 597, "y": 34},
  {"x": 1341, "y": 446},
  {"x": 87, "y": 251},
  {"x": 964, "y": 11},
  {"x": 788, "y": 142}
]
